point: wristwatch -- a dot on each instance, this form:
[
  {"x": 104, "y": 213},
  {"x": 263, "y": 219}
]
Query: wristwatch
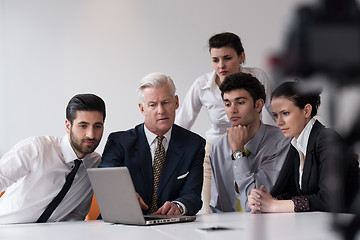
[
  {"x": 238, "y": 154},
  {"x": 181, "y": 209}
]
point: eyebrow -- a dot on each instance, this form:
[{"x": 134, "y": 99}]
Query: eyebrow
[
  {"x": 238, "y": 98},
  {"x": 284, "y": 110},
  {"x": 227, "y": 55},
  {"x": 83, "y": 122},
  {"x": 160, "y": 101}
]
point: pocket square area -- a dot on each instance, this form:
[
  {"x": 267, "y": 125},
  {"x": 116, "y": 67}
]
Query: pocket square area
[{"x": 183, "y": 176}]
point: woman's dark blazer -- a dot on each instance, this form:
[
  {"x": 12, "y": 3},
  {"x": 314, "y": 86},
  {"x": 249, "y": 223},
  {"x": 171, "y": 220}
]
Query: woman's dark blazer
[{"x": 330, "y": 176}]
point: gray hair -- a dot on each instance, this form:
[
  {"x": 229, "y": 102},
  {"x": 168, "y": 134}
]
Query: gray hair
[{"x": 154, "y": 80}]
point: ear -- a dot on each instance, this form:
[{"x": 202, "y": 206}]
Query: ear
[
  {"x": 242, "y": 57},
  {"x": 308, "y": 110},
  {"x": 259, "y": 104},
  {"x": 177, "y": 101},
  {"x": 141, "y": 106},
  {"x": 67, "y": 125}
]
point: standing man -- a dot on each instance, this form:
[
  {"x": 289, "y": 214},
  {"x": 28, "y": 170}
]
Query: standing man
[
  {"x": 165, "y": 161},
  {"x": 45, "y": 177},
  {"x": 251, "y": 153}
]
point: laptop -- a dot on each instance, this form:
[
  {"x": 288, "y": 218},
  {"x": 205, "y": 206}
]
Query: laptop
[{"x": 116, "y": 197}]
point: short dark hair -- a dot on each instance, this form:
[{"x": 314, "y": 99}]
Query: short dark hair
[
  {"x": 244, "y": 81},
  {"x": 84, "y": 102},
  {"x": 226, "y": 39},
  {"x": 299, "y": 94}
]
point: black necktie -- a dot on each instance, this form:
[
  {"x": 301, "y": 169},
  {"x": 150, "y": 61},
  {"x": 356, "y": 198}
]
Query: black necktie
[{"x": 56, "y": 201}]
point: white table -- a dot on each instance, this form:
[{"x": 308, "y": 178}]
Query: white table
[{"x": 315, "y": 225}]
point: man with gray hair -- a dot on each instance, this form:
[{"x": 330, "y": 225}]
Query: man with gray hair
[{"x": 165, "y": 161}]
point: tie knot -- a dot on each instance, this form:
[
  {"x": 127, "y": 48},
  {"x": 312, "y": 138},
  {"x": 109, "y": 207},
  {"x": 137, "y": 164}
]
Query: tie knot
[
  {"x": 160, "y": 139},
  {"x": 77, "y": 163}
]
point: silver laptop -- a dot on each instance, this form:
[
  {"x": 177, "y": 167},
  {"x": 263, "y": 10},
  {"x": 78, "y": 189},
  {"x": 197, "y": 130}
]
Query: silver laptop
[{"x": 116, "y": 197}]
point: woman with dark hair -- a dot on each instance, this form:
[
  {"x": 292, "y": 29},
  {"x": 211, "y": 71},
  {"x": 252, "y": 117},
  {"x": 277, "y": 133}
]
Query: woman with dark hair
[
  {"x": 227, "y": 56},
  {"x": 303, "y": 184}
]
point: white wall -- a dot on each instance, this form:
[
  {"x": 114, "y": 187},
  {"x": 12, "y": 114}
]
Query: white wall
[{"x": 51, "y": 50}]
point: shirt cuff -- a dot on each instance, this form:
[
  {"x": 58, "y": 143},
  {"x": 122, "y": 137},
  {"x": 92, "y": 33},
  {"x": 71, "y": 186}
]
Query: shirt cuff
[
  {"x": 241, "y": 164},
  {"x": 301, "y": 203},
  {"x": 182, "y": 205}
]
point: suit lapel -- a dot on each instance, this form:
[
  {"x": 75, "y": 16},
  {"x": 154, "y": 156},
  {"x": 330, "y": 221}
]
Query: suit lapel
[
  {"x": 143, "y": 159},
  {"x": 310, "y": 155},
  {"x": 285, "y": 173},
  {"x": 307, "y": 171},
  {"x": 173, "y": 158},
  {"x": 296, "y": 169}
]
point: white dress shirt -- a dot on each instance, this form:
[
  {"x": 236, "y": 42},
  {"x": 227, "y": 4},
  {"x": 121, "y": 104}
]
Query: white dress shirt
[
  {"x": 301, "y": 145},
  {"x": 205, "y": 92},
  {"x": 34, "y": 171}
]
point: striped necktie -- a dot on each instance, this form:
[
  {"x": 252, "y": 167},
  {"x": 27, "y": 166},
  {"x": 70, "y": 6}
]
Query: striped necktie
[{"x": 159, "y": 159}]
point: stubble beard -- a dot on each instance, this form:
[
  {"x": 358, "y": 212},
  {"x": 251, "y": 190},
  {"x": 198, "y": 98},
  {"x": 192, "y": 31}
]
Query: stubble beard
[{"x": 78, "y": 147}]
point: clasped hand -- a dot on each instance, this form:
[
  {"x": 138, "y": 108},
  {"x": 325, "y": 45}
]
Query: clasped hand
[{"x": 260, "y": 200}]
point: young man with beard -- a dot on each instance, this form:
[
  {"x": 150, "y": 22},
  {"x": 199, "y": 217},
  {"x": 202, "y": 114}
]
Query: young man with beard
[
  {"x": 45, "y": 177},
  {"x": 250, "y": 154}
]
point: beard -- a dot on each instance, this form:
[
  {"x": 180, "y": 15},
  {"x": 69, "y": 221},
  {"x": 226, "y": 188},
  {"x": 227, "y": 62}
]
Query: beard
[{"x": 79, "y": 145}]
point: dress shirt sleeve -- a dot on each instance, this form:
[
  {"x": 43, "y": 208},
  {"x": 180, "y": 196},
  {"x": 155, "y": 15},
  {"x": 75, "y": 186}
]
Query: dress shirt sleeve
[
  {"x": 80, "y": 212},
  {"x": 301, "y": 203},
  {"x": 214, "y": 201},
  {"x": 269, "y": 87},
  {"x": 190, "y": 107},
  {"x": 16, "y": 164},
  {"x": 266, "y": 174},
  {"x": 182, "y": 205}
]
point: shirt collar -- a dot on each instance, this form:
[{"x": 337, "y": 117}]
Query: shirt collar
[
  {"x": 211, "y": 84},
  {"x": 301, "y": 143},
  {"x": 67, "y": 151},
  {"x": 254, "y": 143},
  {"x": 241, "y": 69},
  {"x": 151, "y": 137}
]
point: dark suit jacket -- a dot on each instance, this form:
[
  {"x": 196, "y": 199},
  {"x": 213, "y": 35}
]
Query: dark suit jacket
[
  {"x": 320, "y": 172},
  {"x": 182, "y": 175}
]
